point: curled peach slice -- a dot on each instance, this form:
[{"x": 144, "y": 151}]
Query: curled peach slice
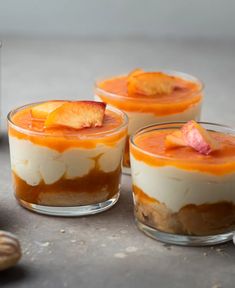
[
  {"x": 174, "y": 140},
  {"x": 149, "y": 83},
  {"x": 134, "y": 73},
  {"x": 41, "y": 111},
  {"x": 199, "y": 138},
  {"x": 77, "y": 115}
]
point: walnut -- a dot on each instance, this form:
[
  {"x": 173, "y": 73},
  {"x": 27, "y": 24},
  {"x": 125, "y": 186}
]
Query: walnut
[{"x": 10, "y": 251}]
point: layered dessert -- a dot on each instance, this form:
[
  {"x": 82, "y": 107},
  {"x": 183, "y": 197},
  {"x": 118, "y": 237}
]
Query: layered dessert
[
  {"x": 152, "y": 97},
  {"x": 184, "y": 178},
  {"x": 66, "y": 153}
]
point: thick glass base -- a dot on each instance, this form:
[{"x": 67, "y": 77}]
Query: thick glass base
[
  {"x": 126, "y": 170},
  {"x": 184, "y": 240},
  {"x": 71, "y": 211}
]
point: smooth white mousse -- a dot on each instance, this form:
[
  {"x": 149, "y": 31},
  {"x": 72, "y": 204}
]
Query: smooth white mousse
[
  {"x": 138, "y": 120},
  {"x": 177, "y": 187},
  {"x": 35, "y": 163}
]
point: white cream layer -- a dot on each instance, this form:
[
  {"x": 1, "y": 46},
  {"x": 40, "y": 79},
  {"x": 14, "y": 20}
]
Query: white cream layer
[
  {"x": 138, "y": 120},
  {"x": 177, "y": 187},
  {"x": 34, "y": 163}
]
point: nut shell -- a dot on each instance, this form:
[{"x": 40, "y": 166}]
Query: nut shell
[{"x": 10, "y": 251}]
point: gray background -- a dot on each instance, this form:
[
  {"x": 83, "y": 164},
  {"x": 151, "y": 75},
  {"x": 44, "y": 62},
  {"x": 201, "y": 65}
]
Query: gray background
[
  {"x": 112, "y": 18},
  {"x": 55, "y": 49}
]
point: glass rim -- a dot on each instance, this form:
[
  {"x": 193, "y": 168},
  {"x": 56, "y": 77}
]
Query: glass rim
[
  {"x": 169, "y": 72},
  {"x": 73, "y": 133},
  {"x": 171, "y": 125}
]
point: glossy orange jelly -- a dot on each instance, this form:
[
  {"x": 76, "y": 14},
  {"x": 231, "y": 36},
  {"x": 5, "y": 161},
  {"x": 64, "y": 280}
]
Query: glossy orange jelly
[
  {"x": 219, "y": 162},
  {"x": 34, "y": 130},
  {"x": 185, "y": 94}
]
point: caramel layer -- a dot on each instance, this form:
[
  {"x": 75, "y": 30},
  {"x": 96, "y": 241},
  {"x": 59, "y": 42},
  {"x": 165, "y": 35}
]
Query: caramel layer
[
  {"x": 205, "y": 219},
  {"x": 95, "y": 187},
  {"x": 126, "y": 156},
  {"x": 219, "y": 162},
  {"x": 176, "y": 102}
]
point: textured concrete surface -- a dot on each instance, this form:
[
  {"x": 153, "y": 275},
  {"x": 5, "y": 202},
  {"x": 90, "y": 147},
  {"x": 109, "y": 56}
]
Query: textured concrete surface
[{"x": 107, "y": 250}]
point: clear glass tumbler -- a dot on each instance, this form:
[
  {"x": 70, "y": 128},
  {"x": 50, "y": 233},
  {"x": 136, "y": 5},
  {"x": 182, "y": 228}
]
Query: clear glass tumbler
[
  {"x": 68, "y": 174},
  {"x": 184, "y": 197}
]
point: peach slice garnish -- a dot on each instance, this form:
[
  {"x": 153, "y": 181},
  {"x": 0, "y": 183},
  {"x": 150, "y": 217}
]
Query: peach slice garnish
[
  {"x": 134, "y": 73},
  {"x": 77, "y": 115},
  {"x": 174, "y": 140},
  {"x": 199, "y": 138},
  {"x": 149, "y": 83},
  {"x": 41, "y": 111}
]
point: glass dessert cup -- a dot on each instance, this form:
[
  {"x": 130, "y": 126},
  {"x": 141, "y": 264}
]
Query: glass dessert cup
[
  {"x": 65, "y": 172},
  {"x": 183, "y": 197},
  {"x": 143, "y": 111}
]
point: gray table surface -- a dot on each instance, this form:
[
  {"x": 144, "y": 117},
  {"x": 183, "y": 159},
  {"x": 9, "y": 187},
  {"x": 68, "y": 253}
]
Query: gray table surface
[{"x": 107, "y": 250}]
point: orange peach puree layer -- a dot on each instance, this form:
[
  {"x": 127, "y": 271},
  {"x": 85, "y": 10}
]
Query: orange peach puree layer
[
  {"x": 61, "y": 138},
  {"x": 219, "y": 162},
  {"x": 97, "y": 186},
  {"x": 176, "y": 102}
]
